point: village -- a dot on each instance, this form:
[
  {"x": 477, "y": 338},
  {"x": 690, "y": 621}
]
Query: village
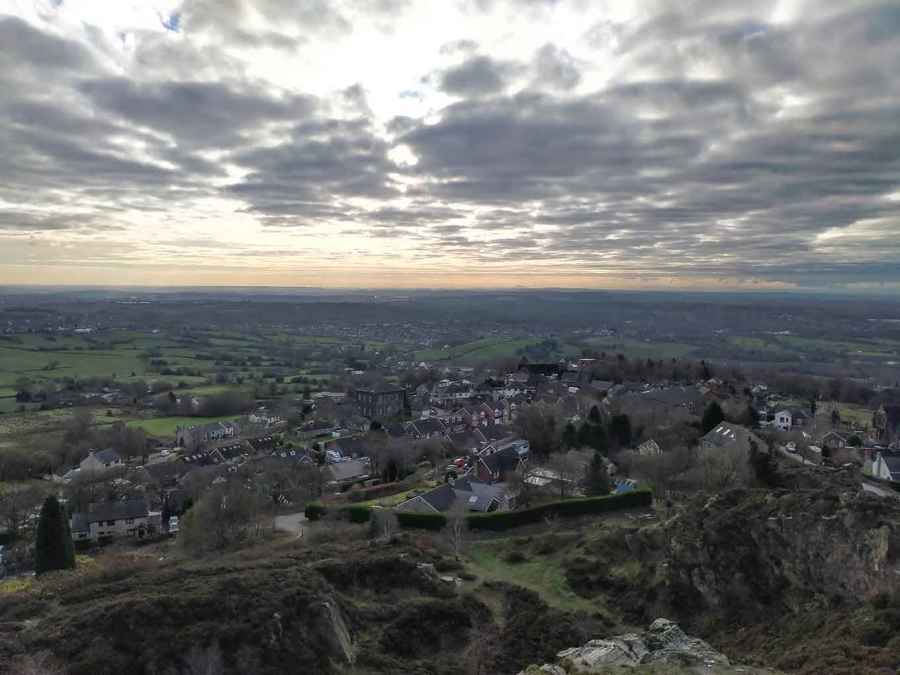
[{"x": 462, "y": 442}]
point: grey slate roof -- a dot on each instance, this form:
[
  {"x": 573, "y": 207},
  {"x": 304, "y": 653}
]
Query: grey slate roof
[
  {"x": 107, "y": 456},
  {"x": 128, "y": 508}
]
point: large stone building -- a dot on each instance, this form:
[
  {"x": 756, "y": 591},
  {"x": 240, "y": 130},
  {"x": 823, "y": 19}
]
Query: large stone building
[{"x": 383, "y": 402}]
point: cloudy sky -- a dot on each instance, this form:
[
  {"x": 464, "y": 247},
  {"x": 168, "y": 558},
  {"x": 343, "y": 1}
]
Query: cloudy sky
[{"x": 461, "y": 143}]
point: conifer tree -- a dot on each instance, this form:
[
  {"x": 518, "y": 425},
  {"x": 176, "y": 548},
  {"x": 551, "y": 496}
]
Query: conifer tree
[{"x": 53, "y": 549}]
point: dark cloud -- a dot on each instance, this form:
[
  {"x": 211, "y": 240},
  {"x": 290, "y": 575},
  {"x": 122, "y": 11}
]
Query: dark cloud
[
  {"x": 194, "y": 113},
  {"x": 477, "y": 76}
]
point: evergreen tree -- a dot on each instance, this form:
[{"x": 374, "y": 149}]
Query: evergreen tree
[
  {"x": 594, "y": 415},
  {"x": 593, "y": 436},
  {"x": 620, "y": 431},
  {"x": 53, "y": 549},
  {"x": 764, "y": 467},
  {"x": 835, "y": 417},
  {"x": 713, "y": 416},
  {"x": 597, "y": 483},
  {"x": 570, "y": 436}
]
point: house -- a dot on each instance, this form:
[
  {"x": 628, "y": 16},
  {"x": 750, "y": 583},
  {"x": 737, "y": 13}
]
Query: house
[
  {"x": 101, "y": 461},
  {"x": 347, "y": 472},
  {"x": 196, "y": 436},
  {"x": 431, "y": 427},
  {"x": 649, "y": 449},
  {"x": 790, "y": 418},
  {"x": 498, "y": 466},
  {"x": 833, "y": 440},
  {"x": 383, "y": 402},
  {"x": 475, "y": 495},
  {"x": 111, "y": 520},
  {"x": 886, "y": 422},
  {"x": 887, "y": 466},
  {"x": 728, "y": 436}
]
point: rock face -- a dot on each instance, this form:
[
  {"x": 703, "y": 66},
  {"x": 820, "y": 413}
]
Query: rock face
[
  {"x": 745, "y": 555},
  {"x": 663, "y": 645}
]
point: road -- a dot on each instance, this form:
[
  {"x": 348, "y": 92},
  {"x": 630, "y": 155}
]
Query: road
[{"x": 291, "y": 522}]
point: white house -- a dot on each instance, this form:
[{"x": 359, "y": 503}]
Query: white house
[
  {"x": 111, "y": 520},
  {"x": 101, "y": 461},
  {"x": 784, "y": 420}
]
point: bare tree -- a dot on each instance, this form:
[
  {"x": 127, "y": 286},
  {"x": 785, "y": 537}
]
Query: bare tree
[
  {"x": 568, "y": 470},
  {"x": 457, "y": 526}
]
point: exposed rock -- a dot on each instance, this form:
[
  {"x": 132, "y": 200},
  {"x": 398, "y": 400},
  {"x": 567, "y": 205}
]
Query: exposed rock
[{"x": 663, "y": 644}]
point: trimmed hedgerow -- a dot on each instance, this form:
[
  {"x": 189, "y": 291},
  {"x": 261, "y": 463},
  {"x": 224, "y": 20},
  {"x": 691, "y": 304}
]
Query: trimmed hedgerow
[
  {"x": 422, "y": 521},
  {"x": 505, "y": 520}
]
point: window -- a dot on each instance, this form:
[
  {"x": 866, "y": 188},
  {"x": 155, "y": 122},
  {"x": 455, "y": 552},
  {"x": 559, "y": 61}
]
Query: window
[
  {"x": 110, "y": 523},
  {"x": 129, "y": 521}
]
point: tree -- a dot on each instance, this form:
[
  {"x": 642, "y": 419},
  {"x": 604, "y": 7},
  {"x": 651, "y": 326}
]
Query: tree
[
  {"x": 596, "y": 480},
  {"x": 537, "y": 424},
  {"x": 713, "y": 416},
  {"x": 570, "y": 436},
  {"x": 620, "y": 431},
  {"x": 53, "y": 549},
  {"x": 764, "y": 467},
  {"x": 457, "y": 526},
  {"x": 18, "y": 501},
  {"x": 567, "y": 472},
  {"x": 835, "y": 417},
  {"x": 221, "y": 518},
  {"x": 593, "y": 436}
]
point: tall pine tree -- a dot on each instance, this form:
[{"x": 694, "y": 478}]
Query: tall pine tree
[
  {"x": 597, "y": 483},
  {"x": 53, "y": 549},
  {"x": 713, "y": 416}
]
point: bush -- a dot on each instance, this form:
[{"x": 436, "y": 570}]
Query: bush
[
  {"x": 422, "y": 521},
  {"x": 314, "y": 511},
  {"x": 356, "y": 513}
]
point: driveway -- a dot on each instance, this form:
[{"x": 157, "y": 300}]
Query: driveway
[{"x": 291, "y": 522}]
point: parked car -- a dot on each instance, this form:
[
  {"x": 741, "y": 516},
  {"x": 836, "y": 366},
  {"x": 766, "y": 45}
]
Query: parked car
[{"x": 173, "y": 524}]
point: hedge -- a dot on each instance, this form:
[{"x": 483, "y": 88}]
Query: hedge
[
  {"x": 422, "y": 521},
  {"x": 504, "y": 520},
  {"x": 499, "y": 520}
]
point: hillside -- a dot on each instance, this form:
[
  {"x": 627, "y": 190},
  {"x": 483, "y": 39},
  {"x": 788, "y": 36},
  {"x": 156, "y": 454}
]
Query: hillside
[{"x": 799, "y": 581}]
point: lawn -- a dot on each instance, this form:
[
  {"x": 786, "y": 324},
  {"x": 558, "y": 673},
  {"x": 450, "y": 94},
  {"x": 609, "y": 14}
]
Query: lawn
[
  {"x": 542, "y": 574},
  {"x": 165, "y": 426}
]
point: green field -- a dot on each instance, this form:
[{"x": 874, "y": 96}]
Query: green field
[
  {"x": 642, "y": 350},
  {"x": 162, "y": 427},
  {"x": 486, "y": 349}
]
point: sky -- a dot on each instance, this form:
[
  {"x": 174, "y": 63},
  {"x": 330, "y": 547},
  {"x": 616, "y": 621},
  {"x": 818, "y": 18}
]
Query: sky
[{"x": 735, "y": 144}]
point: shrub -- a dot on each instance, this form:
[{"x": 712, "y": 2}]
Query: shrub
[
  {"x": 422, "y": 521},
  {"x": 356, "y": 513},
  {"x": 314, "y": 510}
]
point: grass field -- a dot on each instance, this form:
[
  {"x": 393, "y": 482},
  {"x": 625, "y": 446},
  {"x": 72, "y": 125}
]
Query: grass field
[
  {"x": 542, "y": 574},
  {"x": 642, "y": 350},
  {"x": 165, "y": 426},
  {"x": 486, "y": 349}
]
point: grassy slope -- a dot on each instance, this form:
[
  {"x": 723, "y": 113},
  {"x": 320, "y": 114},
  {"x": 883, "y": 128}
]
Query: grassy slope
[{"x": 165, "y": 426}]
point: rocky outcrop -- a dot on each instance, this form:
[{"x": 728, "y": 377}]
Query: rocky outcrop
[
  {"x": 662, "y": 646},
  {"x": 745, "y": 554}
]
